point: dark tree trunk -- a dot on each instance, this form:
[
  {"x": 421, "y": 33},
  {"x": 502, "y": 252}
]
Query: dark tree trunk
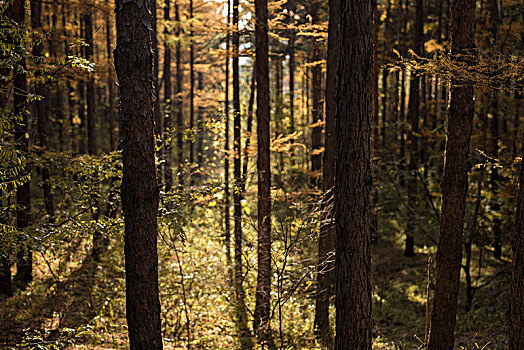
[
  {"x": 241, "y": 312},
  {"x": 227, "y": 201},
  {"x": 353, "y": 176},
  {"x": 516, "y": 317},
  {"x": 325, "y": 269},
  {"x": 110, "y": 82},
  {"x": 24, "y": 272},
  {"x": 262, "y": 308},
  {"x": 139, "y": 191},
  {"x": 454, "y": 182},
  {"x": 316, "y": 90},
  {"x": 168, "y": 103},
  {"x": 192, "y": 82},
  {"x": 178, "y": 99},
  {"x": 42, "y": 111},
  {"x": 413, "y": 120},
  {"x": 291, "y": 51},
  {"x": 99, "y": 243}
]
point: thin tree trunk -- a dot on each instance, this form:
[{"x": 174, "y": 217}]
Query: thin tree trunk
[
  {"x": 316, "y": 71},
  {"x": 139, "y": 191},
  {"x": 516, "y": 317},
  {"x": 168, "y": 103},
  {"x": 454, "y": 182},
  {"x": 192, "y": 82},
  {"x": 325, "y": 269},
  {"x": 23, "y": 193},
  {"x": 241, "y": 312},
  {"x": 413, "y": 120},
  {"x": 227, "y": 201},
  {"x": 262, "y": 315},
  {"x": 178, "y": 98},
  {"x": 353, "y": 176}
]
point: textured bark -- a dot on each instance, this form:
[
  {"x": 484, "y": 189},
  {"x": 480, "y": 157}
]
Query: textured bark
[
  {"x": 262, "y": 308},
  {"x": 139, "y": 191},
  {"x": 316, "y": 94},
  {"x": 325, "y": 269},
  {"x": 168, "y": 103},
  {"x": 454, "y": 183},
  {"x": 353, "y": 176},
  {"x": 516, "y": 317}
]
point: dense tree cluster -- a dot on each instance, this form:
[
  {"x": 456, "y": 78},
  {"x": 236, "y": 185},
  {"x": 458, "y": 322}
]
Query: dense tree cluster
[{"x": 195, "y": 174}]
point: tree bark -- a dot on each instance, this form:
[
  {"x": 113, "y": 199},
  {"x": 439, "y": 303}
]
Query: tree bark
[
  {"x": 454, "y": 182},
  {"x": 353, "y": 176},
  {"x": 262, "y": 308},
  {"x": 139, "y": 191}
]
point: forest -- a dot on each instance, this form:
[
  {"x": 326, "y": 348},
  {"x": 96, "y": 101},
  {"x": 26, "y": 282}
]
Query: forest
[{"x": 284, "y": 174}]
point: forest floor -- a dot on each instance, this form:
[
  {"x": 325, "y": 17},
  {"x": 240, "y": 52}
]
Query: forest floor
[{"x": 82, "y": 306}]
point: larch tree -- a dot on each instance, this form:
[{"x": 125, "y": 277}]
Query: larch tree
[
  {"x": 241, "y": 312},
  {"x": 516, "y": 316},
  {"x": 454, "y": 183},
  {"x": 413, "y": 120},
  {"x": 139, "y": 190},
  {"x": 262, "y": 307},
  {"x": 353, "y": 176}
]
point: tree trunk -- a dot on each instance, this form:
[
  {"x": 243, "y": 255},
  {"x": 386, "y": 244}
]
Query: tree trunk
[
  {"x": 192, "y": 83},
  {"x": 413, "y": 120},
  {"x": 325, "y": 269},
  {"x": 316, "y": 72},
  {"x": 262, "y": 308},
  {"x": 227, "y": 201},
  {"x": 99, "y": 242},
  {"x": 139, "y": 191},
  {"x": 24, "y": 272},
  {"x": 353, "y": 176},
  {"x": 516, "y": 317},
  {"x": 241, "y": 312},
  {"x": 168, "y": 103},
  {"x": 291, "y": 52},
  {"x": 178, "y": 98},
  {"x": 454, "y": 183}
]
